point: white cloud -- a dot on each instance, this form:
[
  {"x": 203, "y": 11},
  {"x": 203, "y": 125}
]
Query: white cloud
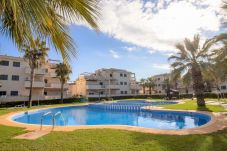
[
  {"x": 151, "y": 52},
  {"x": 161, "y": 66},
  {"x": 159, "y": 25},
  {"x": 114, "y": 54},
  {"x": 130, "y": 49}
]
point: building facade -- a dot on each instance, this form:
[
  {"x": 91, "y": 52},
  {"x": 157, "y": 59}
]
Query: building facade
[
  {"x": 105, "y": 83},
  {"x": 15, "y": 80},
  {"x": 160, "y": 88}
]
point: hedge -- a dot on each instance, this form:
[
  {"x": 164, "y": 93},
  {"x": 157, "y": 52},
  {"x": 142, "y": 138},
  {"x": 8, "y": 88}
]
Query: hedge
[
  {"x": 40, "y": 102},
  {"x": 82, "y": 99}
]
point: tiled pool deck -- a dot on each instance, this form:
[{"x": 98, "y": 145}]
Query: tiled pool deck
[{"x": 218, "y": 122}]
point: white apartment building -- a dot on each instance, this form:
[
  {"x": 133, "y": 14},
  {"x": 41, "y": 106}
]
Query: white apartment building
[
  {"x": 15, "y": 80},
  {"x": 159, "y": 89},
  {"x": 105, "y": 83}
]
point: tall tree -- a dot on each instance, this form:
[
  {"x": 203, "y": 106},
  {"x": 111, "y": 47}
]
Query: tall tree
[
  {"x": 167, "y": 86},
  {"x": 150, "y": 84},
  {"x": 143, "y": 84},
  {"x": 35, "y": 54},
  {"x": 63, "y": 71},
  {"x": 20, "y": 20},
  {"x": 190, "y": 61}
]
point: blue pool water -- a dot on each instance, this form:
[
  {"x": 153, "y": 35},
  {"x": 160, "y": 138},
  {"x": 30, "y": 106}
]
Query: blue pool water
[{"x": 91, "y": 115}]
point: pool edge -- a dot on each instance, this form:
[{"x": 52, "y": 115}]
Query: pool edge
[{"x": 217, "y": 122}]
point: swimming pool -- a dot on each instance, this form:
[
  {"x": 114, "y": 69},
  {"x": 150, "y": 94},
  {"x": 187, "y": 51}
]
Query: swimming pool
[{"x": 87, "y": 115}]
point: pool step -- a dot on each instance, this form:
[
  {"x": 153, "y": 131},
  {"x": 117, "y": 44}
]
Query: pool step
[{"x": 33, "y": 135}]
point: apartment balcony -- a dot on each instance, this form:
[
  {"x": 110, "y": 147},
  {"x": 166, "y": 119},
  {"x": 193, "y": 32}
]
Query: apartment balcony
[
  {"x": 36, "y": 84},
  {"x": 116, "y": 87},
  {"x": 37, "y": 71},
  {"x": 135, "y": 87},
  {"x": 95, "y": 87},
  {"x": 52, "y": 74},
  {"x": 53, "y": 66},
  {"x": 55, "y": 86}
]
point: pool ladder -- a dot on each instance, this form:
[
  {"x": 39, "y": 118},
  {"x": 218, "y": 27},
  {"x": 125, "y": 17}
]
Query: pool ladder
[{"x": 53, "y": 118}]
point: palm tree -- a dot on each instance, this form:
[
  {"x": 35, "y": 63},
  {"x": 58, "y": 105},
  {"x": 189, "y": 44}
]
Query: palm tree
[
  {"x": 35, "y": 54},
  {"x": 23, "y": 19},
  {"x": 143, "y": 84},
  {"x": 62, "y": 71},
  {"x": 150, "y": 84},
  {"x": 167, "y": 86},
  {"x": 189, "y": 62}
]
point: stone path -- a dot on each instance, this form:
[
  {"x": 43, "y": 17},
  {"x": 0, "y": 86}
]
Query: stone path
[
  {"x": 32, "y": 135},
  {"x": 224, "y": 104}
]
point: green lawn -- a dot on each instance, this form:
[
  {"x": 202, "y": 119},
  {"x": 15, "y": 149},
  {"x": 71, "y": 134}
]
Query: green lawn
[
  {"x": 112, "y": 140},
  {"x": 191, "y": 105}
]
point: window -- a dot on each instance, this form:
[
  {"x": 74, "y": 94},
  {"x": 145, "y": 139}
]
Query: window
[
  {"x": 16, "y": 64},
  {"x": 46, "y": 70},
  {"x": 45, "y": 93},
  {"x": 14, "y": 93},
  {"x": 3, "y": 77},
  {"x": 15, "y": 77},
  {"x": 122, "y": 92},
  {"x": 121, "y": 75},
  {"x": 91, "y": 93},
  {"x": 125, "y": 83},
  {"x": 2, "y": 93},
  {"x": 4, "y": 63},
  {"x": 121, "y": 83},
  {"x": 45, "y": 80},
  {"x": 101, "y": 83},
  {"x": 125, "y": 75},
  {"x": 111, "y": 75},
  {"x": 101, "y": 93},
  {"x": 126, "y": 92},
  {"x": 223, "y": 87}
]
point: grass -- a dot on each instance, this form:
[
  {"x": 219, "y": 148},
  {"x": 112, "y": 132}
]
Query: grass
[
  {"x": 112, "y": 140},
  {"x": 191, "y": 105}
]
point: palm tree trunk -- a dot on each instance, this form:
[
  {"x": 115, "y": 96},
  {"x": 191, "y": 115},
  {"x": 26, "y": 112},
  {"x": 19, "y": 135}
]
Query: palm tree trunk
[
  {"x": 198, "y": 85},
  {"x": 31, "y": 87},
  {"x": 150, "y": 90},
  {"x": 143, "y": 89},
  {"x": 62, "y": 89}
]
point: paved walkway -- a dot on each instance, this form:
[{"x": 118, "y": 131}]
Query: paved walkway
[
  {"x": 32, "y": 135},
  {"x": 224, "y": 104}
]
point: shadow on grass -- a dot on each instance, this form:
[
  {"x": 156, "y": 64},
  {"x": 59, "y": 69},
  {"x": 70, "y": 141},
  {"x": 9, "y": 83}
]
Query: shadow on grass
[
  {"x": 206, "y": 142},
  {"x": 204, "y": 108}
]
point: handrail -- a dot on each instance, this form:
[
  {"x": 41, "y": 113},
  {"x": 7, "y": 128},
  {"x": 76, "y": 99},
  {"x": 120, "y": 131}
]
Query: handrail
[
  {"x": 59, "y": 113},
  {"x": 45, "y": 114}
]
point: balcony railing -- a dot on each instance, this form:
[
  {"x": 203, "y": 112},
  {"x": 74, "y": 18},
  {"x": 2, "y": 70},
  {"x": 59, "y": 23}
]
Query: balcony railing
[
  {"x": 112, "y": 87},
  {"x": 95, "y": 87},
  {"x": 135, "y": 86},
  {"x": 36, "y": 84},
  {"x": 37, "y": 71},
  {"x": 55, "y": 85}
]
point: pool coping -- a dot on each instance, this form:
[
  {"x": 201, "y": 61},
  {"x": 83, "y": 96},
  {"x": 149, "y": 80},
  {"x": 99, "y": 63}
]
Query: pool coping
[{"x": 218, "y": 122}]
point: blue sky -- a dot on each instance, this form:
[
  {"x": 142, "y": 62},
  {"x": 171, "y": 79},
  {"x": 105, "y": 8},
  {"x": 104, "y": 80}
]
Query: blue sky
[{"x": 137, "y": 36}]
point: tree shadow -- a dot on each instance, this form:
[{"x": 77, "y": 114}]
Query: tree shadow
[
  {"x": 209, "y": 142},
  {"x": 204, "y": 108}
]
